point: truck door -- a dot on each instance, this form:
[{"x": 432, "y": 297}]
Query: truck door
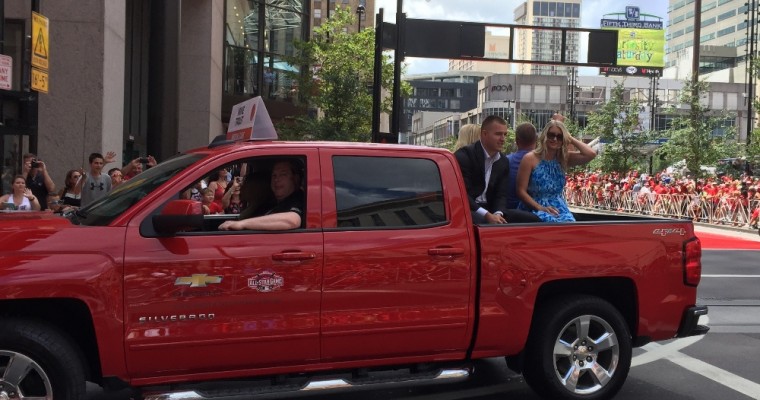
[
  {"x": 397, "y": 277},
  {"x": 209, "y": 300}
]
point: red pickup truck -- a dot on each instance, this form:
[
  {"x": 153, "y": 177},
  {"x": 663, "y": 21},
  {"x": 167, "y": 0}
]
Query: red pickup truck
[{"x": 386, "y": 280}]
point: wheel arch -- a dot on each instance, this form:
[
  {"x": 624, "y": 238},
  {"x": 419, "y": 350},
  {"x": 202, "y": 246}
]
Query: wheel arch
[
  {"x": 618, "y": 291},
  {"x": 70, "y": 316}
]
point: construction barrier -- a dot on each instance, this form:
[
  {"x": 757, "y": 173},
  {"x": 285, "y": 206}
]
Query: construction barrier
[{"x": 717, "y": 210}]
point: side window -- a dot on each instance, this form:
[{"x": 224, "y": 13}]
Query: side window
[
  {"x": 387, "y": 192},
  {"x": 244, "y": 190}
]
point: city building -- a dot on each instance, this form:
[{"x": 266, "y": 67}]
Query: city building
[
  {"x": 142, "y": 77},
  {"x": 447, "y": 92},
  {"x": 496, "y": 46},
  {"x": 723, "y": 23},
  {"x": 546, "y": 45},
  {"x": 321, "y": 10},
  {"x": 725, "y": 50},
  {"x": 536, "y": 98}
]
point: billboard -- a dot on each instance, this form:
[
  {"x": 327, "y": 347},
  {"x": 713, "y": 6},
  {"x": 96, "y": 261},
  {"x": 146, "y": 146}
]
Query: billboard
[
  {"x": 641, "y": 47},
  {"x": 641, "y": 43}
]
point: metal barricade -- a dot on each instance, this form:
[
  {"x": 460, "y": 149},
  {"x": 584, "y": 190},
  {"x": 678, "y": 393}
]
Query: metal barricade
[{"x": 700, "y": 208}]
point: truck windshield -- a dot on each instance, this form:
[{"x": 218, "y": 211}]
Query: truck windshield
[{"x": 102, "y": 211}]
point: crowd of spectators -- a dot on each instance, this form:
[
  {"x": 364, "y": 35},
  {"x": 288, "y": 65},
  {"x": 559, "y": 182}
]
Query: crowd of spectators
[{"x": 719, "y": 200}]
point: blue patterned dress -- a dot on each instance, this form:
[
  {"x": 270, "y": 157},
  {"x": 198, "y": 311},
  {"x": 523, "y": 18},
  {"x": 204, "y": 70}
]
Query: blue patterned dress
[{"x": 546, "y": 187}]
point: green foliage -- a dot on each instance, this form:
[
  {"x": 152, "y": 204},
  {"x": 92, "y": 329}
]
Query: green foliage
[
  {"x": 753, "y": 150},
  {"x": 695, "y": 136},
  {"x": 338, "y": 82},
  {"x": 617, "y": 124}
]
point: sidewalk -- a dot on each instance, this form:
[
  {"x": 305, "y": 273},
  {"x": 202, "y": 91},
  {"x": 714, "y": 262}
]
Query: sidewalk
[{"x": 732, "y": 231}]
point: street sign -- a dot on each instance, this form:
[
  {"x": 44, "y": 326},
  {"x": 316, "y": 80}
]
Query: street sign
[
  {"x": 39, "y": 80},
  {"x": 6, "y": 72},
  {"x": 40, "y": 41}
]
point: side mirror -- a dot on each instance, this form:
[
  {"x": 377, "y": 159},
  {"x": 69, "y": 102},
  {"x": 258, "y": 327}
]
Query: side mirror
[{"x": 179, "y": 216}]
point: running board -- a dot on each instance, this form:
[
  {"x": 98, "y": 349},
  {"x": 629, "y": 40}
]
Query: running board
[{"x": 315, "y": 385}]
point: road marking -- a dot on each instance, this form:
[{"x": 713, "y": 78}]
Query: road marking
[
  {"x": 671, "y": 352},
  {"x": 730, "y": 276},
  {"x": 655, "y": 351},
  {"x": 721, "y": 376}
]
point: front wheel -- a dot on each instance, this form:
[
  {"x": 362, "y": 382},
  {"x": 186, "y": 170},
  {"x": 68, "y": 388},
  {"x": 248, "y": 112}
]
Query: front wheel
[
  {"x": 580, "y": 348},
  {"x": 38, "y": 362}
]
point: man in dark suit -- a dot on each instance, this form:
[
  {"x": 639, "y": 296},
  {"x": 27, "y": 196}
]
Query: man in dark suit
[{"x": 485, "y": 171}]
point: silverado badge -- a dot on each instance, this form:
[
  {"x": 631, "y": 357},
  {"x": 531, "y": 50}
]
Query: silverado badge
[{"x": 266, "y": 281}]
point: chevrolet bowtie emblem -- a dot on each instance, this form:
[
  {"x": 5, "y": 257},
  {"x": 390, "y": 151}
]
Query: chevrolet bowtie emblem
[{"x": 197, "y": 280}]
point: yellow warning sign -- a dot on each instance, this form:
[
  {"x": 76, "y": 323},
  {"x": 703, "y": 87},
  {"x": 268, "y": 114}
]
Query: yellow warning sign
[
  {"x": 40, "y": 41},
  {"x": 39, "y": 80}
]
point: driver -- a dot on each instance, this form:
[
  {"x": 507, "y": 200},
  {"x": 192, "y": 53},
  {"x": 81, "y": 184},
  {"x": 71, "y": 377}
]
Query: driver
[{"x": 287, "y": 213}]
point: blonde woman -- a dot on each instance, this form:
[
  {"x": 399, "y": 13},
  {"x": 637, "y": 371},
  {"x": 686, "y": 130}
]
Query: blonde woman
[
  {"x": 468, "y": 134},
  {"x": 541, "y": 176}
]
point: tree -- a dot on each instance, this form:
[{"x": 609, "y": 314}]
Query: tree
[
  {"x": 338, "y": 81},
  {"x": 700, "y": 137},
  {"x": 618, "y": 126}
]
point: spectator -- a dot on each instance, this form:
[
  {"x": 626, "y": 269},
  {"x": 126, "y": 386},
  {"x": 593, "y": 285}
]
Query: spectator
[
  {"x": 54, "y": 203},
  {"x": 218, "y": 183},
  {"x": 71, "y": 193},
  {"x": 116, "y": 177},
  {"x": 525, "y": 140},
  {"x": 468, "y": 134},
  {"x": 486, "y": 172},
  {"x": 209, "y": 206},
  {"x": 288, "y": 212},
  {"x": 541, "y": 177},
  {"x": 231, "y": 200},
  {"x": 94, "y": 184},
  {"x": 21, "y": 198},
  {"x": 135, "y": 167},
  {"x": 37, "y": 178}
]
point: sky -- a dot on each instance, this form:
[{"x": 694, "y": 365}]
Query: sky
[{"x": 501, "y": 12}]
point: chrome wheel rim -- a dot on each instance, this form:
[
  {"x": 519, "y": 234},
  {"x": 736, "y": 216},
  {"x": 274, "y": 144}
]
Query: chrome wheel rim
[
  {"x": 586, "y": 354},
  {"x": 22, "y": 378}
]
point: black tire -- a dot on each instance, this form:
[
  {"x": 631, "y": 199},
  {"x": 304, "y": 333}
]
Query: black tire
[
  {"x": 51, "y": 366},
  {"x": 559, "y": 325}
]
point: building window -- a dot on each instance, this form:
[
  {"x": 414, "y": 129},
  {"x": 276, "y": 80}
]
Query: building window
[
  {"x": 244, "y": 59},
  {"x": 726, "y": 15},
  {"x": 317, "y": 13},
  {"x": 727, "y": 31}
]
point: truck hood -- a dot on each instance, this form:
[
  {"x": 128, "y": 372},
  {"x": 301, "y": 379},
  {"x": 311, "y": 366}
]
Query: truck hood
[
  {"x": 15, "y": 220},
  {"x": 19, "y": 230}
]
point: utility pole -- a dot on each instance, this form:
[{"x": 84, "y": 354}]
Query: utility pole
[
  {"x": 751, "y": 22},
  {"x": 377, "y": 77},
  {"x": 397, "y": 59}
]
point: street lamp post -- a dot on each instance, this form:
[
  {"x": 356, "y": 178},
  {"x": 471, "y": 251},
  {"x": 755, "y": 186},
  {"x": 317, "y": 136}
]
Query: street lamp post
[
  {"x": 359, "y": 14},
  {"x": 512, "y": 104}
]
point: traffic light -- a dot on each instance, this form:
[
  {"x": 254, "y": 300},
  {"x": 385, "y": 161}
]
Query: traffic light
[{"x": 383, "y": 137}]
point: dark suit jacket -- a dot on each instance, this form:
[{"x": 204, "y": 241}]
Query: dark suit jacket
[{"x": 472, "y": 163}]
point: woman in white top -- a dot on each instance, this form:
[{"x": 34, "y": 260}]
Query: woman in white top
[{"x": 21, "y": 198}]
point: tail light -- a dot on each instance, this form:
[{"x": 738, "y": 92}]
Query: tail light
[{"x": 692, "y": 262}]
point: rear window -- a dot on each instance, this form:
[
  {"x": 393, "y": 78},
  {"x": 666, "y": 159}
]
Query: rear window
[{"x": 387, "y": 192}]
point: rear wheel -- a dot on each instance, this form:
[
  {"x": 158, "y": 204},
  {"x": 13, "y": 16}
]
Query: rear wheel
[
  {"x": 38, "y": 362},
  {"x": 580, "y": 348}
]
